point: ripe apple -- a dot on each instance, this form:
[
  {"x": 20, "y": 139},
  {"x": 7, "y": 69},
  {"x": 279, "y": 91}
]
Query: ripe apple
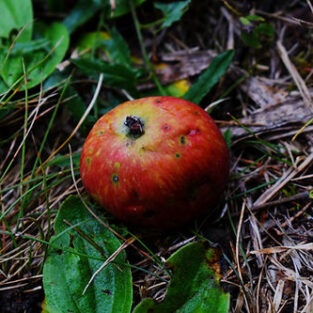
[{"x": 156, "y": 162}]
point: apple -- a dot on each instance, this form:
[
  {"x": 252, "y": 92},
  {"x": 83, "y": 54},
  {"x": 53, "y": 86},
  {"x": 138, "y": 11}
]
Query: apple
[{"x": 156, "y": 162}]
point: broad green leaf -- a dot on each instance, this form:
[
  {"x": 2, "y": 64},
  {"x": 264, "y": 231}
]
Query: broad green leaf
[
  {"x": 72, "y": 260},
  {"x": 82, "y": 12},
  {"x": 194, "y": 287},
  {"x": 40, "y": 63},
  {"x": 251, "y": 39},
  {"x": 86, "y": 9},
  {"x": 15, "y": 14},
  {"x": 117, "y": 48},
  {"x": 111, "y": 43},
  {"x": 115, "y": 75},
  {"x": 265, "y": 29},
  {"x": 3, "y": 88},
  {"x": 209, "y": 77},
  {"x": 92, "y": 40},
  {"x": 172, "y": 11},
  {"x": 27, "y": 47},
  {"x": 260, "y": 33}
]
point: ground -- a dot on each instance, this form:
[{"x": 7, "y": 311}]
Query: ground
[{"x": 262, "y": 104}]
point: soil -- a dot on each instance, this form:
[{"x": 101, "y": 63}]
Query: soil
[{"x": 19, "y": 301}]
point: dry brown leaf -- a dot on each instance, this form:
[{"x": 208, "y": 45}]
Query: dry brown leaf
[
  {"x": 180, "y": 65},
  {"x": 275, "y": 108}
]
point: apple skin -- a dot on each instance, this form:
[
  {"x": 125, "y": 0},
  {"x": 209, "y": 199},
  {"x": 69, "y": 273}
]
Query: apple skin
[{"x": 174, "y": 172}]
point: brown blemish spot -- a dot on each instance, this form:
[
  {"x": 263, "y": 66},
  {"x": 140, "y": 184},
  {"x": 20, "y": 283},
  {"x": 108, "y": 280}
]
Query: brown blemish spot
[
  {"x": 182, "y": 140},
  {"x": 196, "y": 113},
  {"x": 166, "y": 127},
  {"x": 158, "y": 101},
  {"x": 99, "y": 132},
  {"x": 177, "y": 155},
  {"x": 115, "y": 179},
  {"x": 213, "y": 261},
  {"x": 71, "y": 241},
  {"x": 107, "y": 291},
  {"x": 88, "y": 160}
]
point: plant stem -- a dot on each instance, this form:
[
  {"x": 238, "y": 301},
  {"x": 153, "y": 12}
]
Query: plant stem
[
  {"x": 143, "y": 49},
  {"x": 21, "y": 211}
]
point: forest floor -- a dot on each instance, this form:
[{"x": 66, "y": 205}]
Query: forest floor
[{"x": 263, "y": 106}]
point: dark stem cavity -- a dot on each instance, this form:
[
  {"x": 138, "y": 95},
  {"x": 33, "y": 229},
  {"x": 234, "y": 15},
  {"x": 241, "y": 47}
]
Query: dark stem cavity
[{"x": 135, "y": 126}]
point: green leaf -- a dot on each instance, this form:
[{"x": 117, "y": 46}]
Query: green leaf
[
  {"x": 261, "y": 32},
  {"x": 117, "y": 48},
  {"x": 194, "y": 287},
  {"x": 265, "y": 29},
  {"x": 172, "y": 11},
  {"x": 115, "y": 75},
  {"x": 27, "y": 47},
  {"x": 86, "y": 9},
  {"x": 16, "y": 14},
  {"x": 92, "y": 40},
  {"x": 245, "y": 21},
  {"x": 251, "y": 39},
  {"x": 251, "y": 18},
  {"x": 228, "y": 138},
  {"x": 66, "y": 274},
  {"x": 178, "y": 88},
  {"x": 122, "y": 7},
  {"x": 256, "y": 18},
  {"x": 39, "y": 62},
  {"x": 209, "y": 77},
  {"x": 3, "y": 89},
  {"x": 82, "y": 12},
  {"x": 64, "y": 160}
]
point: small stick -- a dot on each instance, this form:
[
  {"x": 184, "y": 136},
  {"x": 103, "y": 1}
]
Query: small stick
[
  {"x": 109, "y": 259},
  {"x": 298, "y": 196}
]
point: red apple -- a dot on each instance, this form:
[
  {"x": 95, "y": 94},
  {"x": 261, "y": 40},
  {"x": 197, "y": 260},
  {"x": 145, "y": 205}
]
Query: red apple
[{"x": 156, "y": 162}]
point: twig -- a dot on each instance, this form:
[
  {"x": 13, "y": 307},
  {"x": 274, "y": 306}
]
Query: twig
[
  {"x": 109, "y": 259},
  {"x": 291, "y": 173},
  {"x": 303, "y": 89},
  {"x": 298, "y": 196},
  {"x": 83, "y": 235}
]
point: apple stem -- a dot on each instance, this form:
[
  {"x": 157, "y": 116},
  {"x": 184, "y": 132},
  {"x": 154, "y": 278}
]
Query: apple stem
[{"x": 135, "y": 126}]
